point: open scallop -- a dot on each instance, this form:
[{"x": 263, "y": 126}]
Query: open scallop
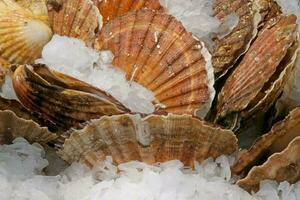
[
  {"x": 23, "y": 33},
  {"x": 283, "y": 144},
  {"x": 156, "y": 51},
  {"x": 12, "y": 126},
  {"x": 151, "y": 139},
  {"x": 258, "y": 80},
  {"x": 61, "y": 99}
]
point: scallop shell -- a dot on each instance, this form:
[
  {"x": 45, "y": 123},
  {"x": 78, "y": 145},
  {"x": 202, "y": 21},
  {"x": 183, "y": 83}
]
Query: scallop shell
[
  {"x": 74, "y": 18},
  {"x": 258, "y": 80},
  {"x": 23, "y": 34},
  {"x": 110, "y": 9},
  {"x": 156, "y": 51},
  {"x": 37, "y": 7},
  {"x": 4, "y": 69},
  {"x": 229, "y": 48},
  {"x": 60, "y": 98},
  {"x": 274, "y": 141},
  {"x": 151, "y": 139},
  {"x": 282, "y": 166},
  {"x": 12, "y": 127}
]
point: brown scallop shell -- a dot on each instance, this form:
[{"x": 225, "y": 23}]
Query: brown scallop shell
[
  {"x": 4, "y": 69},
  {"x": 74, "y": 18},
  {"x": 155, "y": 50},
  {"x": 110, "y": 9},
  {"x": 229, "y": 48},
  {"x": 60, "y": 98},
  {"x": 282, "y": 166},
  {"x": 152, "y": 139},
  {"x": 12, "y": 127},
  {"x": 275, "y": 141},
  {"x": 258, "y": 80},
  {"x": 23, "y": 34}
]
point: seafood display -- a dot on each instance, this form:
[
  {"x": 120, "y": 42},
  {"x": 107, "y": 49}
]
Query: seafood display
[{"x": 204, "y": 92}]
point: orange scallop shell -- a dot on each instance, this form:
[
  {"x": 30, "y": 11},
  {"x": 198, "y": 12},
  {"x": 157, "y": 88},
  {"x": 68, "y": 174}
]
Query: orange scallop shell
[
  {"x": 110, "y": 9},
  {"x": 259, "y": 78},
  {"x": 74, "y": 18},
  {"x": 155, "y": 50},
  {"x": 152, "y": 139}
]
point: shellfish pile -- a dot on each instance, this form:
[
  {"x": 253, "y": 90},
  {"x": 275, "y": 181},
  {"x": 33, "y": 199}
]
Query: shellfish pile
[{"x": 176, "y": 91}]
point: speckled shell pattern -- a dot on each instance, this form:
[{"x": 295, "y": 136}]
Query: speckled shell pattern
[
  {"x": 110, "y": 9},
  {"x": 151, "y": 139},
  {"x": 155, "y": 50},
  {"x": 228, "y": 49},
  {"x": 261, "y": 74},
  {"x": 59, "y": 98},
  {"x": 11, "y": 127}
]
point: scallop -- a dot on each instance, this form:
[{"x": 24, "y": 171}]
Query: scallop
[
  {"x": 283, "y": 144},
  {"x": 4, "y": 69},
  {"x": 152, "y": 139},
  {"x": 156, "y": 51},
  {"x": 75, "y": 18},
  {"x": 228, "y": 49},
  {"x": 61, "y": 99},
  {"x": 22, "y": 33},
  {"x": 12, "y": 126},
  {"x": 258, "y": 80},
  {"x": 110, "y": 9}
]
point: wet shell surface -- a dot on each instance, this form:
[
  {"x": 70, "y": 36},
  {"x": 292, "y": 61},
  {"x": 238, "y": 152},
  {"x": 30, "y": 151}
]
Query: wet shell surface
[
  {"x": 110, "y": 9},
  {"x": 229, "y": 48},
  {"x": 4, "y": 69},
  {"x": 12, "y": 127},
  {"x": 60, "y": 98},
  {"x": 155, "y": 50},
  {"x": 74, "y": 18},
  {"x": 282, "y": 166},
  {"x": 152, "y": 139},
  {"x": 22, "y": 33},
  {"x": 258, "y": 80}
]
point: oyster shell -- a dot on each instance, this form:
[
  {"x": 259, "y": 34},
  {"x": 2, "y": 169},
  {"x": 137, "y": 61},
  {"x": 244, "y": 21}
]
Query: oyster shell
[
  {"x": 151, "y": 139},
  {"x": 110, "y": 9},
  {"x": 258, "y": 80},
  {"x": 23, "y": 34},
  {"x": 12, "y": 127},
  {"x": 60, "y": 98},
  {"x": 74, "y": 18},
  {"x": 282, "y": 166},
  {"x": 156, "y": 51},
  {"x": 229, "y": 48},
  {"x": 275, "y": 141}
]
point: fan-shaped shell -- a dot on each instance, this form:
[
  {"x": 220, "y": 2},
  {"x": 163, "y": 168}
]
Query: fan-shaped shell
[
  {"x": 37, "y": 7},
  {"x": 156, "y": 51},
  {"x": 74, "y": 18},
  {"x": 229, "y": 48},
  {"x": 4, "y": 69},
  {"x": 22, "y": 34},
  {"x": 151, "y": 139},
  {"x": 12, "y": 127},
  {"x": 110, "y": 9},
  {"x": 274, "y": 141},
  {"x": 59, "y": 98},
  {"x": 282, "y": 166},
  {"x": 258, "y": 80}
]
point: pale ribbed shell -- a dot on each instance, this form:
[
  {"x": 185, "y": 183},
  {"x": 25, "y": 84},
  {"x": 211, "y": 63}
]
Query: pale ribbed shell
[
  {"x": 22, "y": 34},
  {"x": 60, "y": 98},
  {"x": 258, "y": 80},
  {"x": 282, "y": 166},
  {"x": 74, "y": 18},
  {"x": 155, "y": 50},
  {"x": 110, "y": 9},
  {"x": 4, "y": 69},
  {"x": 152, "y": 139},
  {"x": 12, "y": 127},
  {"x": 37, "y": 7}
]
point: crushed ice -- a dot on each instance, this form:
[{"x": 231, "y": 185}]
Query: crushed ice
[
  {"x": 72, "y": 57},
  {"x": 22, "y": 178}
]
